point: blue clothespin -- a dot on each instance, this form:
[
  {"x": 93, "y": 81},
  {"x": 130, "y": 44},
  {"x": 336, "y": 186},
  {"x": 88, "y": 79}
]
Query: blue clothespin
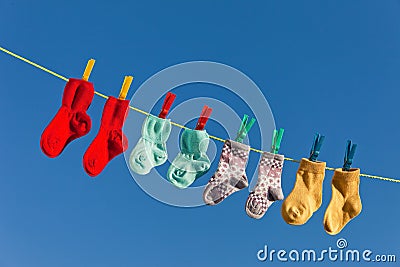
[
  {"x": 244, "y": 128},
  {"x": 316, "y": 147},
  {"x": 349, "y": 155}
]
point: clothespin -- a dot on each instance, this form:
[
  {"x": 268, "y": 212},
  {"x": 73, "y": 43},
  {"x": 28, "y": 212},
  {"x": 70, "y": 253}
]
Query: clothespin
[
  {"x": 349, "y": 155},
  {"x": 125, "y": 87},
  {"x": 88, "y": 69},
  {"x": 276, "y": 140},
  {"x": 169, "y": 99},
  {"x": 205, "y": 114},
  {"x": 244, "y": 128},
  {"x": 316, "y": 147}
]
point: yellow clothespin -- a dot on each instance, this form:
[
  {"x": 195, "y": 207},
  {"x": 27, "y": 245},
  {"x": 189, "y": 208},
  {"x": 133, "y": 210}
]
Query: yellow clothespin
[
  {"x": 88, "y": 69},
  {"x": 125, "y": 87}
]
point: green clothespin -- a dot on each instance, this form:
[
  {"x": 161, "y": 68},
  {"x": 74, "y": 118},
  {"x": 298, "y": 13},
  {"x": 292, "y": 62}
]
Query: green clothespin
[
  {"x": 316, "y": 147},
  {"x": 349, "y": 155},
  {"x": 276, "y": 140},
  {"x": 244, "y": 128}
]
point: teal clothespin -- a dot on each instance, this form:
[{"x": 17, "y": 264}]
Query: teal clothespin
[
  {"x": 316, "y": 147},
  {"x": 349, "y": 155},
  {"x": 244, "y": 128},
  {"x": 276, "y": 140}
]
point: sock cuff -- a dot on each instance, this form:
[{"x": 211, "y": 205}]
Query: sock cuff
[
  {"x": 155, "y": 129},
  {"x": 78, "y": 94},
  {"x": 239, "y": 146},
  {"x": 351, "y": 175},
  {"x": 269, "y": 155},
  {"x": 194, "y": 141},
  {"x": 317, "y": 167},
  {"x": 115, "y": 112}
]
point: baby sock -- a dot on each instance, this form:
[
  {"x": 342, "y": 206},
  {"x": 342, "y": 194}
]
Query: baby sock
[
  {"x": 151, "y": 149},
  {"x": 230, "y": 176},
  {"x": 110, "y": 140},
  {"x": 268, "y": 188},
  {"x": 71, "y": 120},
  {"x": 306, "y": 196},
  {"x": 192, "y": 162},
  {"x": 345, "y": 202}
]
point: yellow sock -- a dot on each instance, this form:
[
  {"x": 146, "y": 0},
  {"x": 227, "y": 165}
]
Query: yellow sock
[
  {"x": 345, "y": 203},
  {"x": 306, "y": 196}
]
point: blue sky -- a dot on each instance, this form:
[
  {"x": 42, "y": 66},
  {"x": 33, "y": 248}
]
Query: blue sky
[{"x": 323, "y": 66}]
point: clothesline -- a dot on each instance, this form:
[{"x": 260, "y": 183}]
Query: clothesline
[{"x": 173, "y": 123}]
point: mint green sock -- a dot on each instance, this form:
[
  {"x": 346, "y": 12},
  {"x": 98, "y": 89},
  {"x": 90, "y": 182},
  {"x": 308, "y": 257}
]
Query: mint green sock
[
  {"x": 192, "y": 162},
  {"x": 151, "y": 150}
]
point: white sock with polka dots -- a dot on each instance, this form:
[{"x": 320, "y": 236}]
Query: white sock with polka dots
[
  {"x": 268, "y": 188},
  {"x": 230, "y": 176}
]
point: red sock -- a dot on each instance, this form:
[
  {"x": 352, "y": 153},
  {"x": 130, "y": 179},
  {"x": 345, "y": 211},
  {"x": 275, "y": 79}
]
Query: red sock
[
  {"x": 71, "y": 120},
  {"x": 110, "y": 140}
]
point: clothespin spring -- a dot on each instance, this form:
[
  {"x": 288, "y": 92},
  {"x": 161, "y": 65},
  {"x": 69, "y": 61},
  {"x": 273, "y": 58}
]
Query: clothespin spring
[
  {"x": 205, "y": 114},
  {"x": 276, "y": 140},
  {"x": 349, "y": 155},
  {"x": 169, "y": 99},
  {"x": 244, "y": 128},
  {"x": 316, "y": 147}
]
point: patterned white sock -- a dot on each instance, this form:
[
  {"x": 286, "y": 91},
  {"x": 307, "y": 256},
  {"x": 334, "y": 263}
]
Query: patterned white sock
[
  {"x": 230, "y": 176},
  {"x": 268, "y": 188}
]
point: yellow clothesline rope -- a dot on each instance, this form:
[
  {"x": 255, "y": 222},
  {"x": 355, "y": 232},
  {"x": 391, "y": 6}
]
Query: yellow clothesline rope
[{"x": 173, "y": 123}]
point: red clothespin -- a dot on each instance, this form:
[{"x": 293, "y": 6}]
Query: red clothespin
[
  {"x": 205, "y": 114},
  {"x": 169, "y": 99}
]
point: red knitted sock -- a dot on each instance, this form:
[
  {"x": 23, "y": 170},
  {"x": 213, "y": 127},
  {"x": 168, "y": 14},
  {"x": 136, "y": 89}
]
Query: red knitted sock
[
  {"x": 110, "y": 140},
  {"x": 71, "y": 120}
]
